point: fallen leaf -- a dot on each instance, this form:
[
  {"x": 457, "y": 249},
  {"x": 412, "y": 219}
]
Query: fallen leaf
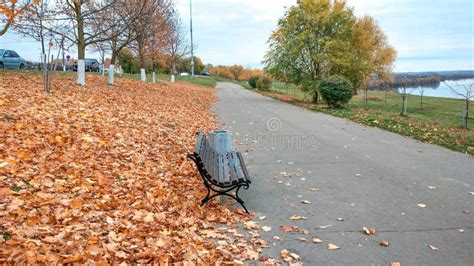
[
  {"x": 332, "y": 246},
  {"x": 149, "y": 218},
  {"x": 461, "y": 230},
  {"x": 431, "y": 187},
  {"x": 76, "y": 204},
  {"x": 369, "y": 231},
  {"x": 323, "y": 226},
  {"x": 395, "y": 263},
  {"x": 251, "y": 225},
  {"x": 421, "y": 205},
  {"x": 266, "y": 228},
  {"x": 295, "y": 256},
  {"x": 262, "y": 217},
  {"x": 314, "y": 189},
  {"x": 433, "y": 248},
  {"x": 297, "y": 217},
  {"x": 384, "y": 243},
  {"x": 306, "y": 202},
  {"x": 340, "y": 219},
  {"x": 317, "y": 240},
  {"x": 471, "y": 193}
]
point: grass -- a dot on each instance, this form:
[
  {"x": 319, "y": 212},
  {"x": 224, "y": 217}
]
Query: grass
[{"x": 438, "y": 122}]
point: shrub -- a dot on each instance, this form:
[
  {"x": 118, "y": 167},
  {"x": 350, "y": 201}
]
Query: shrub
[
  {"x": 336, "y": 90},
  {"x": 253, "y": 81},
  {"x": 264, "y": 83}
]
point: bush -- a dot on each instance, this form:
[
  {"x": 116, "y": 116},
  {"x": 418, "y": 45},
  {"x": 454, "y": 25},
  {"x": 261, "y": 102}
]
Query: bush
[
  {"x": 336, "y": 90},
  {"x": 253, "y": 81},
  {"x": 264, "y": 83}
]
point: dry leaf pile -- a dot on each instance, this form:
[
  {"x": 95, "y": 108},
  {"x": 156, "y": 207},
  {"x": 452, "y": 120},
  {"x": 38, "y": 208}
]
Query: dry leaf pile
[{"x": 99, "y": 175}]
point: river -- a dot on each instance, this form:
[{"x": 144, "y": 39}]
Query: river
[{"x": 442, "y": 90}]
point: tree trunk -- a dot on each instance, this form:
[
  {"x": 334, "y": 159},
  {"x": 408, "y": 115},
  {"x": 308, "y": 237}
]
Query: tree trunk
[
  {"x": 421, "y": 100},
  {"x": 81, "y": 46},
  {"x": 404, "y": 105},
  {"x": 366, "y": 99},
  {"x": 315, "y": 97},
  {"x": 466, "y": 115}
]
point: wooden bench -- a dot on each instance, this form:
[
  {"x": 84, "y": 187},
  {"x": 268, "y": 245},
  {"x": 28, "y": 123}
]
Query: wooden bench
[{"x": 221, "y": 173}]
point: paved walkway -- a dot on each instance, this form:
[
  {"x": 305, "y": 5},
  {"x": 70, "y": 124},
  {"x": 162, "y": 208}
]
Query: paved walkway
[{"x": 368, "y": 177}]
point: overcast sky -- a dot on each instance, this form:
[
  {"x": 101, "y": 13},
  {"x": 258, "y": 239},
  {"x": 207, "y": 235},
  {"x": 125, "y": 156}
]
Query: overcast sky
[{"x": 428, "y": 34}]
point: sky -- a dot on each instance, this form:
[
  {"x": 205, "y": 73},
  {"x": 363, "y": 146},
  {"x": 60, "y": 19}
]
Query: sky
[{"x": 429, "y": 35}]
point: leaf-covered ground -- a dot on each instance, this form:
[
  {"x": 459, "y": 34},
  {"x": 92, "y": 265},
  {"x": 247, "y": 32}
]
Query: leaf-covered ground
[{"x": 99, "y": 175}]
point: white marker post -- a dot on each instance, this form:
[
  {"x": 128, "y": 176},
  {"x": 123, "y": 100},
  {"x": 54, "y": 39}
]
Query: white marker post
[
  {"x": 81, "y": 72},
  {"x": 142, "y": 75},
  {"x": 153, "y": 78},
  {"x": 111, "y": 74},
  {"x": 172, "y": 79}
]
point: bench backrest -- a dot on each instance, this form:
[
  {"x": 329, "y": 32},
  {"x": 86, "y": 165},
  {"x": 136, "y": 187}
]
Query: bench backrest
[{"x": 227, "y": 168}]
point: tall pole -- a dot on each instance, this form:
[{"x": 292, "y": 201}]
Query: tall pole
[{"x": 191, "y": 29}]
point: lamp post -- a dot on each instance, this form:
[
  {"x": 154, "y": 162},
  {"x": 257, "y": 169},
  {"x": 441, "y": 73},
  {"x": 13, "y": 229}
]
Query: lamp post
[{"x": 191, "y": 31}]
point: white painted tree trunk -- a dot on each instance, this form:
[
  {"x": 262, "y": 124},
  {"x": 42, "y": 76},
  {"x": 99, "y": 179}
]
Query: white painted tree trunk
[
  {"x": 120, "y": 70},
  {"x": 153, "y": 78},
  {"x": 103, "y": 70},
  {"x": 111, "y": 74},
  {"x": 81, "y": 72},
  {"x": 142, "y": 75},
  {"x": 172, "y": 79}
]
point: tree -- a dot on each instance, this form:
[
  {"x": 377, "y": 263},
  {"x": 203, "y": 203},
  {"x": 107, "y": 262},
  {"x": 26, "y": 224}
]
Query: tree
[
  {"x": 32, "y": 23},
  {"x": 10, "y": 9},
  {"x": 177, "y": 45},
  {"x": 466, "y": 91},
  {"x": 372, "y": 55},
  {"x": 150, "y": 29},
  {"x": 82, "y": 17},
  {"x": 117, "y": 30},
  {"x": 404, "y": 90},
  {"x": 319, "y": 38},
  {"x": 237, "y": 71}
]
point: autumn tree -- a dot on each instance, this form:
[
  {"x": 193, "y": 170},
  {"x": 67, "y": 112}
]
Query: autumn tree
[
  {"x": 10, "y": 10},
  {"x": 319, "y": 38},
  {"x": 237, "y": 71},
  {"x": 372, "y": 55},
  {"x": 151, "y": 29}
]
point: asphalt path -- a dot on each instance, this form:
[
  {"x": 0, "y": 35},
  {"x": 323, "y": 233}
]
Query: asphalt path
[{"x": 352, "y": 176}]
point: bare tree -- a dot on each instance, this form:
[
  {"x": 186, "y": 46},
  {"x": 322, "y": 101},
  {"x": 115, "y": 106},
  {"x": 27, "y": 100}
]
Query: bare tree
[
  {"x": 82, "y": 16},
  {"x": 404, "y": 91},
  {"x": 178, "y": 45},
  {"x": 466, "y": 91},
  {"x": 117, "y": 29}
]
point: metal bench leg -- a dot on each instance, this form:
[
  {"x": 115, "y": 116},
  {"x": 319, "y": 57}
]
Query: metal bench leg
[
  {"x": 207, "y": 198},
  {"x": 239, "y": 200}
]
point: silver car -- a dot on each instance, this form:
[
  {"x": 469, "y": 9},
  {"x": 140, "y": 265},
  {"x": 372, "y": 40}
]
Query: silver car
[{"x": 10, "y": 59}]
